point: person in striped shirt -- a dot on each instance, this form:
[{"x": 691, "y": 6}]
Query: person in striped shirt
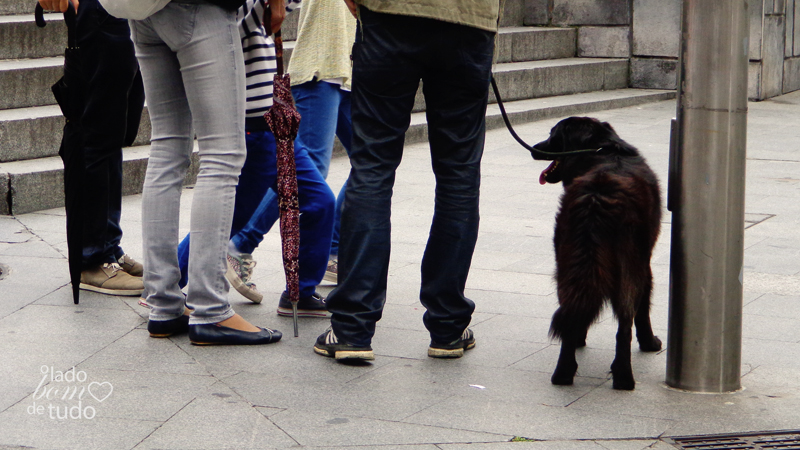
[{"x": 259, "y": 174}]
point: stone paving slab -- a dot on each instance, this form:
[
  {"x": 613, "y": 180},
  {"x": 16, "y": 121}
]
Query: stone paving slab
[{"x": 169, "y": 394}]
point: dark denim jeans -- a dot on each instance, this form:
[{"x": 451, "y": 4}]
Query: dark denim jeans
[
  {"x": 325, "y": 110},
  {"x": 391, "y": 55},
  {"x": 114, "y": 98}
]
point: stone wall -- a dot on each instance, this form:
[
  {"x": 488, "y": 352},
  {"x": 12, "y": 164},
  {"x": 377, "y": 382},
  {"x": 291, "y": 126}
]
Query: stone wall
[{"x": 648, "y": 32}]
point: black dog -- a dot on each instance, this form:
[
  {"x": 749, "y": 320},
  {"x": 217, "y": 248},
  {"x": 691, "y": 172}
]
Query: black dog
[{"x": 606, "y": 227}]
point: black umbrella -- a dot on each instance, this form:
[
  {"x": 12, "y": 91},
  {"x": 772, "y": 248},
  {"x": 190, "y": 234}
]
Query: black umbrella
[{"x": 68, "y": 92}]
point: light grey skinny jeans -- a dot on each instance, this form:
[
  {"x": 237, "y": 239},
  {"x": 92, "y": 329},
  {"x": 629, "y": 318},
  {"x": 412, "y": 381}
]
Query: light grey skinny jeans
[{"x": 191, "y": 62}]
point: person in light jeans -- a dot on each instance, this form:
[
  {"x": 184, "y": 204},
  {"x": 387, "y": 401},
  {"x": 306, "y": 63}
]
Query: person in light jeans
[
  {"x": 320, "y": 70},
  {"x": 193, "y": 72}
]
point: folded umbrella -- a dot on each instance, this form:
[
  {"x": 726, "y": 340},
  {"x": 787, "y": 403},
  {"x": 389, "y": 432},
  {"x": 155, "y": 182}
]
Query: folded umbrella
[
  {"x": 284, "y": 120},
  {"x": 69, "y": 93}
]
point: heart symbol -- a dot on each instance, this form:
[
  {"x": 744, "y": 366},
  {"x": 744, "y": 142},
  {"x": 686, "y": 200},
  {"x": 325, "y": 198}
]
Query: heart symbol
[{"x": 99, "y": 386}]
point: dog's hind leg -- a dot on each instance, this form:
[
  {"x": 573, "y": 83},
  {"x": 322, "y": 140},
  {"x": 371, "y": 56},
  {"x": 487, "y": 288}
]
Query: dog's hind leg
[
  {"x": 567, "y": 365},
  {"x": 648, "y": 342},
  {"x": 621, "y": 370},
  {"x": 581, "y": 342}
]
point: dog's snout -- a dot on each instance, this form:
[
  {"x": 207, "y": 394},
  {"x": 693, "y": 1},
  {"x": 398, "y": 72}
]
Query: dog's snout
[{"x": 541, "y": 146}]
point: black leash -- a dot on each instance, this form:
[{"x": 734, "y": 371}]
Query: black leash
[{"x": 534, "y": 151}]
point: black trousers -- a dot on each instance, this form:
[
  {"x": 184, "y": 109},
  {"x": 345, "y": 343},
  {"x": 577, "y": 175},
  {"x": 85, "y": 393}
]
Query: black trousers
[
  {"x": 392, "y": 53},
  {"x": 113, "y": 100}
]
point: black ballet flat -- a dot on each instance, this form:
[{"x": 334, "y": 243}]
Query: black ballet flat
[
  {"x": 166, "y": 328},
  {"x": 216, "y": 334}
]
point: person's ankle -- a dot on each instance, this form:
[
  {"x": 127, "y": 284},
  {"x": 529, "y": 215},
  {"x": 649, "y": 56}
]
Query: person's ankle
[{"x": 232, "y": 250}]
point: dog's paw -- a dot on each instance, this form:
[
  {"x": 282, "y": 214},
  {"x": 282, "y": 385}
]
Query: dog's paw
[
  {"x": 624, "y": 383},
  {"x": 563, "y": 376},
  {"x": 562, "y": 380},
  {"x": 622, "y": 376},
  {"x": 651, "y": 345}
]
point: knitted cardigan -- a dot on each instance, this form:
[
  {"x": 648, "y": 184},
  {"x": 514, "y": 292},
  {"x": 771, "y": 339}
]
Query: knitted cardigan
[{"x": 325, "y": 34}]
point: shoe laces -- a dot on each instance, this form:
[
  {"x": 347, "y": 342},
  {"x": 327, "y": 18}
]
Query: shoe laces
[
  {"x": 113, "y": 266},
  {"x": 243, "y": 268}
]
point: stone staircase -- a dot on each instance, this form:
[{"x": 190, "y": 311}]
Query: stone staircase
[{"x": 537, "y": 71}]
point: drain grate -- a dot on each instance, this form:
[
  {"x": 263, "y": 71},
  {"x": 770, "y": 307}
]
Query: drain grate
[{"x": 784, "y": 440}]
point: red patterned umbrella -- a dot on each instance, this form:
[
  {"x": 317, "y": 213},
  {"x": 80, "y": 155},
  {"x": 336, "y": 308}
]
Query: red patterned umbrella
[{"x": 284, "y": 120}]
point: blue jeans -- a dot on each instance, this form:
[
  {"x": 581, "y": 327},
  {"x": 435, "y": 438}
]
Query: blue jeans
[
  {"x": 114, "y": 98},
  {"x": 316, "y": 203},
  {"x": 325, "y": 111},
  {"x": 191, "y": 61},
  {"x": 391, "y": 54}
]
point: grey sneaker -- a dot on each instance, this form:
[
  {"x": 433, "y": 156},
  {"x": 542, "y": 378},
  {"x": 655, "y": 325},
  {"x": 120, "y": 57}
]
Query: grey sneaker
[
  {"x": 111, "y": 279},
  {"x": 454, "y": 349},
  {"x": 239, "y": 272},
  {"x": 131, "y": 266},
  {"x": 332, "y": 271}
]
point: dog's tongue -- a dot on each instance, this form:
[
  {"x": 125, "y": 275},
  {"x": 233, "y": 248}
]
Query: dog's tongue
[{"x": 544, "y": 173}]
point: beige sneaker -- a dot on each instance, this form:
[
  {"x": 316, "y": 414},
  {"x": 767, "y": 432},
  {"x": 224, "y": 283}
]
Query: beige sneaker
[
  {"x": 131, "y": 266},
  {"x": 111, "y": 279},
  {"x": 332, "y": 271},
  {"x": 238, "y": 274}
]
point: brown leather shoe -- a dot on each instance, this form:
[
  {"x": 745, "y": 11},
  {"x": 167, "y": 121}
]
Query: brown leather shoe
[
  {"x": 111, "y": 279},
  {"x": 131, "y": 266}
]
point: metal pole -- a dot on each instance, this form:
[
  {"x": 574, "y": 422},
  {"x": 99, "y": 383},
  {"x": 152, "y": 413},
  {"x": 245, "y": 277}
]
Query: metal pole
[{"x": 706, "y": 196}]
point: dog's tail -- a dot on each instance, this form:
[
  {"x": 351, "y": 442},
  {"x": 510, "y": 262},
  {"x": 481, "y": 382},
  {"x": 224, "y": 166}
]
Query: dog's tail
[{"x": 590, "y": 230}]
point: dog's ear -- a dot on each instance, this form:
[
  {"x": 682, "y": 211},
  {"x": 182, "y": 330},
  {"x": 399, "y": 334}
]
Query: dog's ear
[
  {"x": 611, "y": 140},
  {"x": 579, "y": 132}
]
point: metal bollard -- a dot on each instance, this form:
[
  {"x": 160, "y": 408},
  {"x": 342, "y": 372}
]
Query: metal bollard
[{"x": 706, "y": 197}]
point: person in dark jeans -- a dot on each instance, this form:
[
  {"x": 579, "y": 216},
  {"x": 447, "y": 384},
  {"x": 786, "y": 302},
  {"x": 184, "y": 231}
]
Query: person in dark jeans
[
  {"x": 450, "y": 49},
  {"x": 113, "y": 101}
]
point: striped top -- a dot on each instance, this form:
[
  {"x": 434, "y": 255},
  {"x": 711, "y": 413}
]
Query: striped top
[{"x": 259, "y": 55}]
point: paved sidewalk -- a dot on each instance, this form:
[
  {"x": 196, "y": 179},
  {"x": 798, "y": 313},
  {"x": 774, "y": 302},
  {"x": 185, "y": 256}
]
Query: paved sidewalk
[{"x": 147, "y": 393}]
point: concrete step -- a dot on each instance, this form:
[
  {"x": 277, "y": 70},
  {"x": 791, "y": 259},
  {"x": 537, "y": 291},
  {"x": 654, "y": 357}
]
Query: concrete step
[
  {"x": 16, "y": 7},
  {"x": 37, "y": 184},
  {"x": 532, "y": 110},
  {"x": 21, "y": 37},
  {"x": 534, "y": 79},
  {"x": 34, "y": 132},
  {"x": 535, "y": 43},
  {"x": 552, "y": 77},
  {"x": 31, "y": 58},
  {"x": 30, "y": 133},
  {"x": 26, "y": 82}
]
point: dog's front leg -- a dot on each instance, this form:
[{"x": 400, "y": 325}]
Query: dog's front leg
[
  {"x": 621, "y": 370},
  {"x": 567, "y": 365}
]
